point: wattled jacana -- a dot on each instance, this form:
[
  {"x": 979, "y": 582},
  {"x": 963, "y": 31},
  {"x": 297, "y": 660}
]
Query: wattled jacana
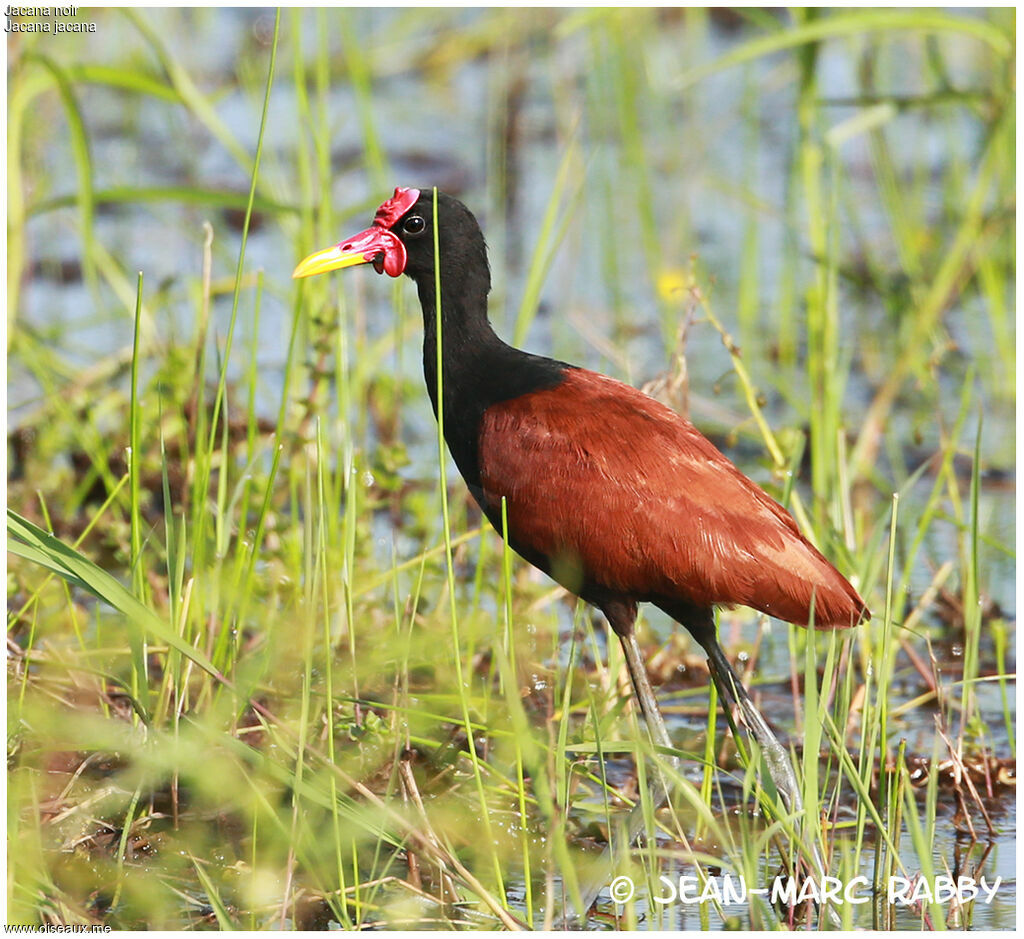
[{"x": 611, "y": 493}]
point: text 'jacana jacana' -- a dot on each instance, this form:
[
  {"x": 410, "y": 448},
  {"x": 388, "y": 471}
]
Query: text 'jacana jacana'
[{"x": 611, "y": 493}]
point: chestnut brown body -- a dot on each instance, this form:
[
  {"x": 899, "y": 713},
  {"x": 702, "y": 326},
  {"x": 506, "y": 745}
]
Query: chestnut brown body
[{"x": 605, "y": 484}]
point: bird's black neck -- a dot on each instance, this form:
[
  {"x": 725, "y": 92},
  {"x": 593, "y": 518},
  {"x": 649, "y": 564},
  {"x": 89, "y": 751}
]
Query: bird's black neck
[
  {"x": 478, "y": 369},
  {"x": 467, "y": 340}
]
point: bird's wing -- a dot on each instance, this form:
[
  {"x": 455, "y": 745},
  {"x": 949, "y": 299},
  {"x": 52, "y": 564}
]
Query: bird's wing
[{"x": 610, "y": 487}]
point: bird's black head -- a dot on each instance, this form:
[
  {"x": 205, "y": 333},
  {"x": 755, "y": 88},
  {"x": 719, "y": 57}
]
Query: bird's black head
[{"x": 401, "y": 241}]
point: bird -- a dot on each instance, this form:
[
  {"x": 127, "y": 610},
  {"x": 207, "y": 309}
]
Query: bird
[{"x": 613, "y": 494}]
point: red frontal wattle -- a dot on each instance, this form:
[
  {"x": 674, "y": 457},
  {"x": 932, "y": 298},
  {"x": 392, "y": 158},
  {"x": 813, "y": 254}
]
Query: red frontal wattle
[
  {"x": 392, "y": 210},
  {"x": 378, "y": 244}
]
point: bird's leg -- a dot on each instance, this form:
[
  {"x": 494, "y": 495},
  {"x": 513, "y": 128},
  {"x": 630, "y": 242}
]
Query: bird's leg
[
  {"x": 655, "y": 725},
  {"x": 775, "y": 756},
  {"x": 731, "y": 689},
  {"x": 622, "y": 616},
  {"x": 643, "y": 690}
]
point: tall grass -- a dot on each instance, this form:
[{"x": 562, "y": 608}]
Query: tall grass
[{"x": 268, "y": 668}]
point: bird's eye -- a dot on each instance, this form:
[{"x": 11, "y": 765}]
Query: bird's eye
[{"x": 414, "y": 225}]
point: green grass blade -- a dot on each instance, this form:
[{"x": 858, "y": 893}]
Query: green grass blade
[{"x": 78, "y": 569}]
